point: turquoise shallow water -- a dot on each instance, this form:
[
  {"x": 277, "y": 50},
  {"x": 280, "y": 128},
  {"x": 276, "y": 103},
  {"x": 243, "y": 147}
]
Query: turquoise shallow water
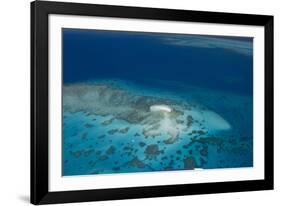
[{"x": 99, "y": 144}]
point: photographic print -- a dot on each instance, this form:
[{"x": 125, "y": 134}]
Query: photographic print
[
  {"x": 146, "y": 102},
  {"x": 134, "y": 102}
]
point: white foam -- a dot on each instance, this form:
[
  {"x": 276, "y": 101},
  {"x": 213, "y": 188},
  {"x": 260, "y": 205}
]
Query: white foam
[{"x": 161, "y": 108}]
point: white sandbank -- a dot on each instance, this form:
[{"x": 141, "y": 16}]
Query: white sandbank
[{"x": 160, "y": 108}]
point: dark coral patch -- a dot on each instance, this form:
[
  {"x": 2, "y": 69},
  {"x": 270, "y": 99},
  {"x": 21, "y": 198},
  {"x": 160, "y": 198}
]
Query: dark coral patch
[
  {"x": 76, "y": 153},
  {"x": 84, "y": 135},
  {"x": 124, "y": 130},
  {"x": 110, "y": 150},
  {"x": 135, "y": 162},
  {"x": 189, "y": 163},
  {"x": 142, "y": 144},
  {"x": 103, "y": 157},
  {"x": 204, "y": 151},
  {"x": 152, "y": 150},
  {"x": 89, "y": 125},
  {"x": 112, "y": 131}
]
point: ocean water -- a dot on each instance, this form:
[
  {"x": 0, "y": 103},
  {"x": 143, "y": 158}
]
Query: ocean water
[{"x": 144, "y": 102}]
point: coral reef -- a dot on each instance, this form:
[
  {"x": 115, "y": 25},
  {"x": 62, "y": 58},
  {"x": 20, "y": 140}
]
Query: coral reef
[{"x": 108, "y": 129}]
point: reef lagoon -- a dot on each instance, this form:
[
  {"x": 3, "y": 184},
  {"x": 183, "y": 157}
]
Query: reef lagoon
[{"x": 141, "y": 102}]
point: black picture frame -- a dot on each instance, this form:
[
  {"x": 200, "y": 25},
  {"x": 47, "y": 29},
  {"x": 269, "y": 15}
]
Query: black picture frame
[{"x": 39, "y": 102}]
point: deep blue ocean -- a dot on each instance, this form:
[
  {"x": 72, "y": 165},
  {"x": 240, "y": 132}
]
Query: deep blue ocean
[{"x": 213, "y": 75}]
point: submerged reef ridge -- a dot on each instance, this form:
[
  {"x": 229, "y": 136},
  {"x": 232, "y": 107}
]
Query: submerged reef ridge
[{"x": 157, "y": 116}]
